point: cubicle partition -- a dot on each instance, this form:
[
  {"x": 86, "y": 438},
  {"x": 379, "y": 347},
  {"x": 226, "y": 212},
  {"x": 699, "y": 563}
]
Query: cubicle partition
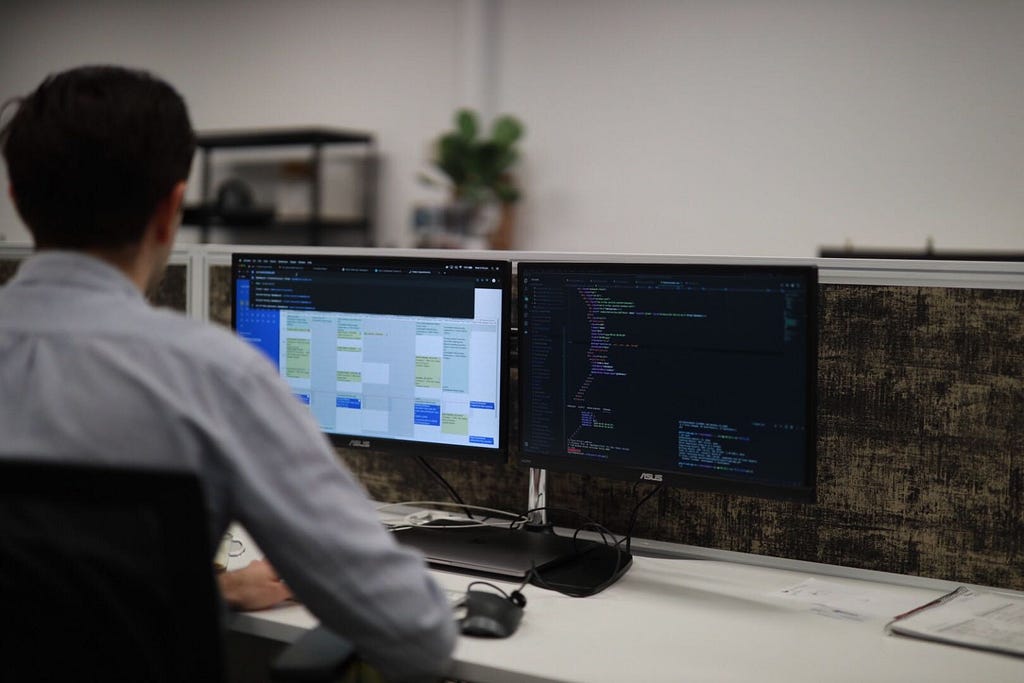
[{"x": 920, "y": 426}]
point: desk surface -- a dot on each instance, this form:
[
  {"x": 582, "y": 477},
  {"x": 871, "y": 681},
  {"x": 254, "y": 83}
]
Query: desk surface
[{"x": 696, "y": 620}]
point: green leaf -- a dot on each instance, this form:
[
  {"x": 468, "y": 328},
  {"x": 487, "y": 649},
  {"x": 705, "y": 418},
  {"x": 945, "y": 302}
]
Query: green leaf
[
  {"x": 488, "y": 156},
  {"x": 467, "y": 124},
  {"x": 452, "y": 157},
  {"x": 506, "y": 130},
  {"x": 506, "y": 159}
]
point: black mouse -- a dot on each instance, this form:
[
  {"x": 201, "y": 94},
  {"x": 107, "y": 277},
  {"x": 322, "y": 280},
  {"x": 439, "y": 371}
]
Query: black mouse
[{"x": 489, "y": 615}]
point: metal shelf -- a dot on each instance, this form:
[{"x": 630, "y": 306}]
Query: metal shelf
[
  {"x": 207, "y": 215},
  {"x": 280, "y": 137}
]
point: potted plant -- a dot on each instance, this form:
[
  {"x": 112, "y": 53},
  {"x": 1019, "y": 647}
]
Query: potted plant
[{"x": 478, "y": 171}]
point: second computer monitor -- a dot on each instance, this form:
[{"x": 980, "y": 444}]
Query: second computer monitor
[
  {"x": 693, "y": 375},
  {"x": 392, "y": 354}
]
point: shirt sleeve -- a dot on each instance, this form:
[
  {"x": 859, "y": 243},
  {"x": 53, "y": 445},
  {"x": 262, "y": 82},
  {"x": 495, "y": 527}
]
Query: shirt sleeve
[{"x": 317, "y": 526}]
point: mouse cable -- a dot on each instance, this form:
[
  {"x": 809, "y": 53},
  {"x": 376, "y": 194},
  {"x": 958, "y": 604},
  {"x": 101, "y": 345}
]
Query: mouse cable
[
  {"x": 444, "y": 482},
  {"x": 516, "y": 597},
  {"x": 636, "y": 512}
]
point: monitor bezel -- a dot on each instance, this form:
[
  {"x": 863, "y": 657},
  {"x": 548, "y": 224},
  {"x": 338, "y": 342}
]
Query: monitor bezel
[
  {"x": 391, "y": 445},
  {"x": 804, "y": 493}
]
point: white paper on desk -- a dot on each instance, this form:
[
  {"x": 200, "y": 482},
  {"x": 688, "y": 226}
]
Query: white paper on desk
[
  {"x": 981, "y": 619},
  {"x": 847, "y": 602}
]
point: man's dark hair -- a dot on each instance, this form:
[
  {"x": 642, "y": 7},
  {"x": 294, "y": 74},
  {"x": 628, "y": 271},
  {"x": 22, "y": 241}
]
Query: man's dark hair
[{"x": 92, "y": 151}]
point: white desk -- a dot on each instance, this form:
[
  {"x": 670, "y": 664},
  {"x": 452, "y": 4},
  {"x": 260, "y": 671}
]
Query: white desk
[{"x": 698, "y": 620}]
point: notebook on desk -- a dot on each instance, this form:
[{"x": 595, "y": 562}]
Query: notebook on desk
[{"x": 490, "y": 550}]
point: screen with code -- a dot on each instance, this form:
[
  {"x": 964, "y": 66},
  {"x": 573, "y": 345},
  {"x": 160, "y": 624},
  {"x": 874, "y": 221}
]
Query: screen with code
[
  {"x": 384, "y": 350},
  {"x": 694, "y": 375}
]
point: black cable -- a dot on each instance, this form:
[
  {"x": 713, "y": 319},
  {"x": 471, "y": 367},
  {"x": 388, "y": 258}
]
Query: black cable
[
  {"x": 516, "y": 597},
  {"x": 588, "y": 522},
  {"x": 600, "y": 529},
  {"x": 636, "y": 512},
  {"x": 444, "y": 482}
]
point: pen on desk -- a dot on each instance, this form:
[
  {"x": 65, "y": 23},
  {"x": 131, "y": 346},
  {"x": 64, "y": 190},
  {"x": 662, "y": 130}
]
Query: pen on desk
[{"x": 937, "y": 601}]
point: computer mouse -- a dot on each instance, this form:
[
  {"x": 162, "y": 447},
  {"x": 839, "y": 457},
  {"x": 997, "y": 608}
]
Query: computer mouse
[{"x": 489, "y": 615}]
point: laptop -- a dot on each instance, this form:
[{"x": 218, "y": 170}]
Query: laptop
[{"x": 490, "y": 550}]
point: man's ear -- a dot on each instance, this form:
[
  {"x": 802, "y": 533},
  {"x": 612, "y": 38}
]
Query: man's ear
[{"x": 168, "y": 214}]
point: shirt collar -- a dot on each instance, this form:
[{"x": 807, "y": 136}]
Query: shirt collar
[{"x": 74, "y": 269}]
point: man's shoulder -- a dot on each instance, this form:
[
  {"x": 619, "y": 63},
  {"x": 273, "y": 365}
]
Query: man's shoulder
[{"x": 203, "y": 343}]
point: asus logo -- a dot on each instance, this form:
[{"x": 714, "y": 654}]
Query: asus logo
[
  {"x": 647, "y": 476},
  {"x": 359, "y": 443}
]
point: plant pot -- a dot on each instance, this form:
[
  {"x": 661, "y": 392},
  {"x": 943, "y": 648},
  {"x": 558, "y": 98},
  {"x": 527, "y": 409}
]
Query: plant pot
[{"x": 502, "y": 235}]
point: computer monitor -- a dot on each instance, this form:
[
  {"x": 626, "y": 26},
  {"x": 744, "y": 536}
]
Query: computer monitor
[
  {"x": 405, "y": 355},
  {"x": 693, "y": 375}
]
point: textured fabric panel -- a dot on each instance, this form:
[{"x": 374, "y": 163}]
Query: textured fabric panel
[
  {"x": 220, "y": 295},
  {"x": 921, "y": 418},
  {"x": 172, "y": 290}
]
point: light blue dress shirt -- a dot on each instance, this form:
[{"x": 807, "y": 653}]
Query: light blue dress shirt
[{"x": 89, "y": 371}]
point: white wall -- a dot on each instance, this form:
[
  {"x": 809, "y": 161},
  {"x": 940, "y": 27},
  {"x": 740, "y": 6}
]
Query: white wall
[
  {"x": 763, "y": 127},
  {"x": 768, "y": 127}
]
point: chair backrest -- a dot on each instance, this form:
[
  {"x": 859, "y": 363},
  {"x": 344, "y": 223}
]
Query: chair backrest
[{"x": 105, "y": 574}]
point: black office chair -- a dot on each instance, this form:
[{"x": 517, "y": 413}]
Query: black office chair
[{"x": 106, "y": 575}]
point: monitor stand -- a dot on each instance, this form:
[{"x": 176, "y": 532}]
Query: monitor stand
[{"x": 577, "y": 567}]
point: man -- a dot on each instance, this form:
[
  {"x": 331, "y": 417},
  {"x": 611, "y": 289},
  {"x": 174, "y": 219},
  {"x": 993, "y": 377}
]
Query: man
[{"x": 98, "y": 158}]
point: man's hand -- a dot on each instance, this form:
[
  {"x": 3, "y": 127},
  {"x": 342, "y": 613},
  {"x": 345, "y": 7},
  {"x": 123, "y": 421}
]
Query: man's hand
[{"x": 257, "y": 586}]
